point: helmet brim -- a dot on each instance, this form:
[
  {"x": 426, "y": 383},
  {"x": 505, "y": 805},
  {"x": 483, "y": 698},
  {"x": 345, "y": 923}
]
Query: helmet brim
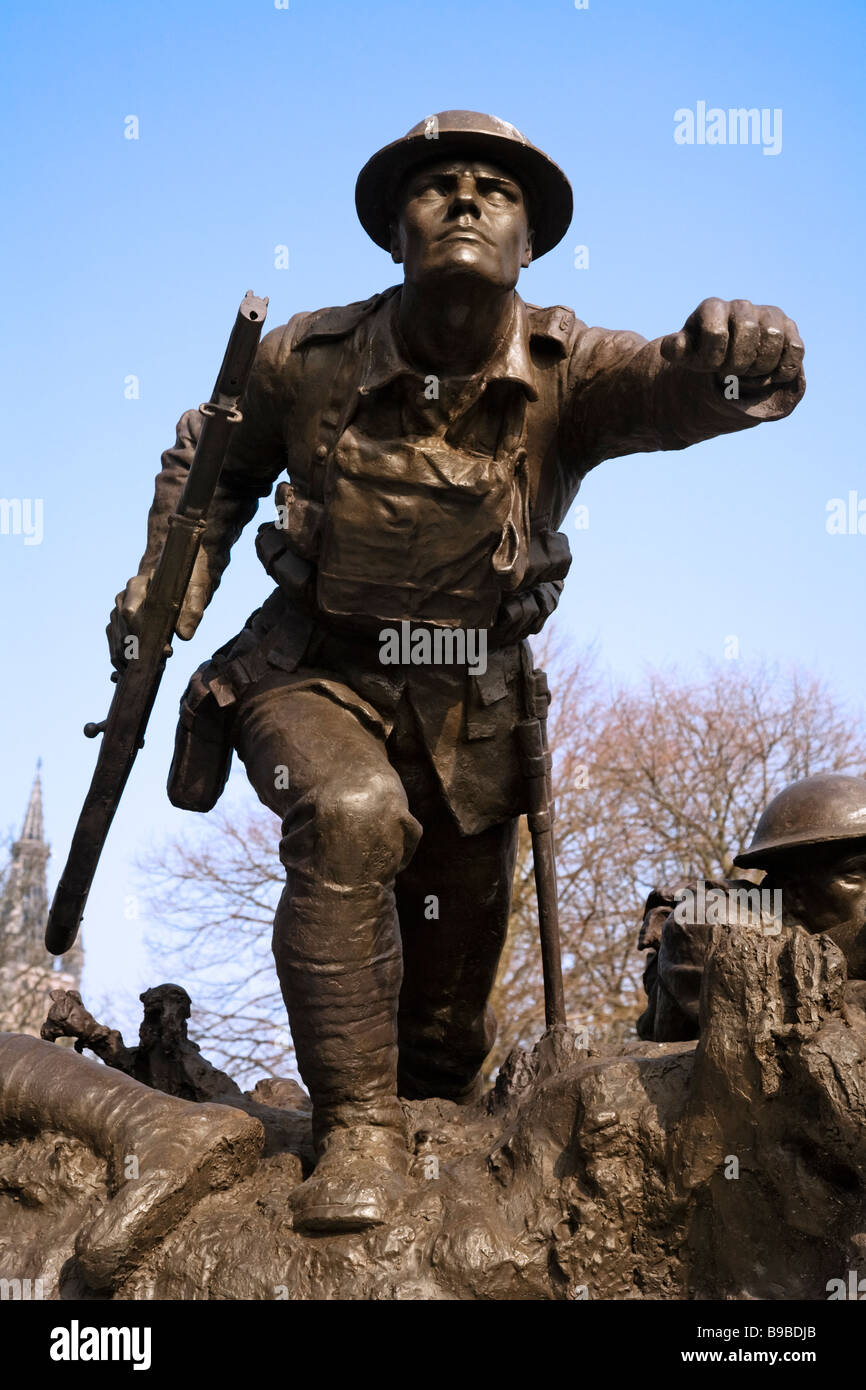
[{"x": 764, "y": 855}]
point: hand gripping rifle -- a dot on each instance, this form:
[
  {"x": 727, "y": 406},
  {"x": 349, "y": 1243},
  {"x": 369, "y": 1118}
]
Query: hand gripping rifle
[
  {"x": 138, "y": 682},
  {"x": 535, "y": 762}
]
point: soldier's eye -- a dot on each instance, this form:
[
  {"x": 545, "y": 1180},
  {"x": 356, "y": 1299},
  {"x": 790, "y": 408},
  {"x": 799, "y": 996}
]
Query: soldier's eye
[
  {"x": 432, "y": 186},
  {"x": 497, "y": 191}
]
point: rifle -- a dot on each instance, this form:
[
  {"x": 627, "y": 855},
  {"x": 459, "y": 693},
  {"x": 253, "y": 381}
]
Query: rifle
[
  {"x": 535, "y": 764},
  {"x": 137, "y": 684}
]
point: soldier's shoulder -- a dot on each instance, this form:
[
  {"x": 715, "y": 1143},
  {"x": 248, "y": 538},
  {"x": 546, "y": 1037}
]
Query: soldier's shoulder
[
  {"x": 336, "y": 321},
  {"x": 308, "y": 326},
  {"x": 560, "y": 326}
]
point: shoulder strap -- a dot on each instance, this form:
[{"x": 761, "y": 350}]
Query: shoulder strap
[{"x": 557, "y": 323}]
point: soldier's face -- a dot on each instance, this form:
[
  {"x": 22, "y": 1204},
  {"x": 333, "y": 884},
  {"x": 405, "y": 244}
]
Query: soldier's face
[
  {"x": 462, "y": 218},
  {"x": 827, "y": 893}
]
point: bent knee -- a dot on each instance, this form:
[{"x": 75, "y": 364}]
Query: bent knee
[{"x": 364, "y": 831}]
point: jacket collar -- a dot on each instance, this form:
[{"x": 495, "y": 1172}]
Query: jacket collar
[{"x": 384, "y": 360}]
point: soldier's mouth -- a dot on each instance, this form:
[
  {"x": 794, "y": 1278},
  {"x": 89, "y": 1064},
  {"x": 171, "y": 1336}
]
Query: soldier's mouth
[{"x": 464, "y": 234}]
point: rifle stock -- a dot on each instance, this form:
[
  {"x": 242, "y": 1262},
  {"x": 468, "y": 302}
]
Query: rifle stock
[{"x": 137, "y": 684}]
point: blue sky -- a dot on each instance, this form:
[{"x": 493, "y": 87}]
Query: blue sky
[{"x": 125, "y": 257}]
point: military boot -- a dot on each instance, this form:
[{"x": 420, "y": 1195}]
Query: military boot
[{"x": 359, "y": 1181}]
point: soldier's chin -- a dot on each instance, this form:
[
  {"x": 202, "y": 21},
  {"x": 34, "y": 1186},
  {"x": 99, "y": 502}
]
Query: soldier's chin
[{"x": 472, "y": 269}]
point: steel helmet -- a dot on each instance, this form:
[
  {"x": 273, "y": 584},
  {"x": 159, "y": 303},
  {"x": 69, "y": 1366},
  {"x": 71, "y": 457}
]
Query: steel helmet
[
  {"x": 466, "y": 132},
  {"x": 814, "y": 811}
]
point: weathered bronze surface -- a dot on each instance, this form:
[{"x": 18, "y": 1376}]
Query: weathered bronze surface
[
  {"x": 811, "y": 840},
  {"x": 580, "y": 1176},
  {"x": 435, "y": 437},
  {"x": 164, "y": 1058}
]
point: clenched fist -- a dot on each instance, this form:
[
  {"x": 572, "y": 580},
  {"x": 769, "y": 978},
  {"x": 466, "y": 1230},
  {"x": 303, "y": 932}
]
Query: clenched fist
[{"x": 755, "y": 342}]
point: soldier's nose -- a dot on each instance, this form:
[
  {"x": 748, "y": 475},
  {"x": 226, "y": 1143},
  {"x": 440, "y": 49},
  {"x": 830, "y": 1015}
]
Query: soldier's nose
[{"x": 465, "y": 196}]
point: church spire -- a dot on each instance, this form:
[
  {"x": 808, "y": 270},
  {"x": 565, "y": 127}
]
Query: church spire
[
  {"x": 27, "y": 971},
  {"x": 25, "y": 904},
  {"x": 32, "y": 829}
]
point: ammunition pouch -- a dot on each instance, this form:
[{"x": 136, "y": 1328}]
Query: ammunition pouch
[
  {"x": 202, "y": 752},
  {"x": 288, "y": 547}
]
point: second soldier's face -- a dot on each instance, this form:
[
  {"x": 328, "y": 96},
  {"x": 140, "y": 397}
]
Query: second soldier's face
[
  {"x": 829, "y": 895},
  {"x": 463, "y": 219}
]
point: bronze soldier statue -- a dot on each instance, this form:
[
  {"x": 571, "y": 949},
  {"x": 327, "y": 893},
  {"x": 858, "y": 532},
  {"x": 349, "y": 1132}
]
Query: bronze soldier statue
[
  {"x": 435, "y": 437},
  {"x": 811, "y": 843}
]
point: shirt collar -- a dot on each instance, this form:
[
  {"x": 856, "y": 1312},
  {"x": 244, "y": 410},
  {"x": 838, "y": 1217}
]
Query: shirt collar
[{"x": 384, "y": 361}]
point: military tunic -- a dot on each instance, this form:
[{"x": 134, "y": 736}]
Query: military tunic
[{"x": 570, "y": 396}]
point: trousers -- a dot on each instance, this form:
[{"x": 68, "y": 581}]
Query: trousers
[{"x": 390, "y": 927}]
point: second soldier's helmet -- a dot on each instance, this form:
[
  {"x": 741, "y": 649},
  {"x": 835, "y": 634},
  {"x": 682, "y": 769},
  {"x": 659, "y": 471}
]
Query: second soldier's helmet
[{"x": 815, "y": 811}]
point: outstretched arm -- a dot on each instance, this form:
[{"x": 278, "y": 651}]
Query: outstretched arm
[{"x": 732, "y": 365}]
